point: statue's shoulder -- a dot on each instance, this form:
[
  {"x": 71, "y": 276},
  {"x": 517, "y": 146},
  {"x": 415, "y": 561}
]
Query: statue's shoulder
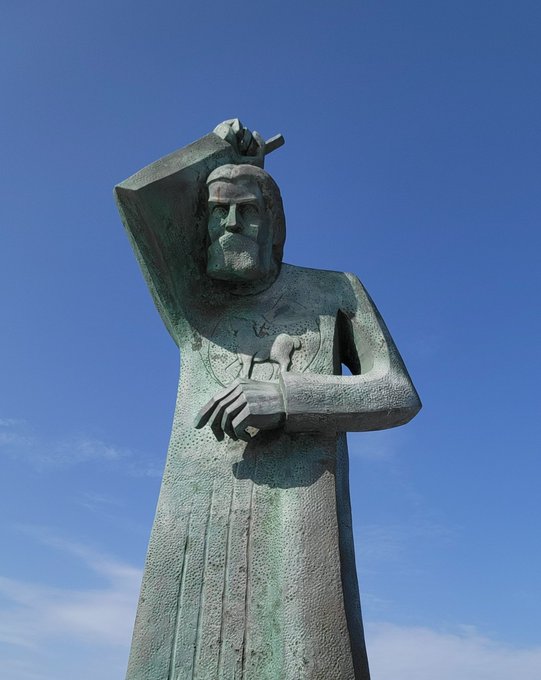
[
  {"x": 317, "y": 277},
  {"x": 339, "y": 287}
]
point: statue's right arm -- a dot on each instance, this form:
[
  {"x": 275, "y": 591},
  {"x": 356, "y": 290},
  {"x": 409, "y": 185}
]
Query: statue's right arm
[{"x": 161, "y": 208}]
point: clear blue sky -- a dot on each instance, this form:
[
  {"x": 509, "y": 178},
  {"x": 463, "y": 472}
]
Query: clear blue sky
[{"x": 412, "y": 158}]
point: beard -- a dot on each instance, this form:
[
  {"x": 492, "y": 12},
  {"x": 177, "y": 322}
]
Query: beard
[{"x": 234, "y": 257}]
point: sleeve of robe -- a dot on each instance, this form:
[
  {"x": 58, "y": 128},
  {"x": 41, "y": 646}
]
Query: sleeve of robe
[
  {"x": 161, "y": 209},
  {"x": 379, "y": 395}
]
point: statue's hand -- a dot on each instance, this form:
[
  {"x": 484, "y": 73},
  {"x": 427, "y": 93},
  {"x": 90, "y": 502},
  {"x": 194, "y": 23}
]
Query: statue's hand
[
  {"x": 245, "y": 142},
  {"x": 244, "y": 403}
]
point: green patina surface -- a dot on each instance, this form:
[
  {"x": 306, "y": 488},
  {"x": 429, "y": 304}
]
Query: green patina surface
[{"x": 250, "y": 572}]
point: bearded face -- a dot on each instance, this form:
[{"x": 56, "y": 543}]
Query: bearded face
[{"x": 240, "y": 231}]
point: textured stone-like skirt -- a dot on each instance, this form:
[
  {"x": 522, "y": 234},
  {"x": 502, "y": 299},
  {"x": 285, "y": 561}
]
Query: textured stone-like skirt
[{"x": 250, "y": 573}]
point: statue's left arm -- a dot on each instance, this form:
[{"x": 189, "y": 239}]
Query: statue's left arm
[{"x": 379, "y": 394}]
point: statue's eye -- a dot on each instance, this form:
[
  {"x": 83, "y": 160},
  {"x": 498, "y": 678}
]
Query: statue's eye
[
  {"x": 248, "y": 210},
  {"x": 219, "y": 211}
]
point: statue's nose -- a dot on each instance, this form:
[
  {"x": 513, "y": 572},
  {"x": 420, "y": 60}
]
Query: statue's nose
[{"x": 232, "y": 221}]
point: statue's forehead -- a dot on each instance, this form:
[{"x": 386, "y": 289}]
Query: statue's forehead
[{"x": 239, "y": 190}]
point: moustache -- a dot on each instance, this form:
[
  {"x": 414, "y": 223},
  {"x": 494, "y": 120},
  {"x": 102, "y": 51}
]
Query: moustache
[{"x": 235, "y": 241}]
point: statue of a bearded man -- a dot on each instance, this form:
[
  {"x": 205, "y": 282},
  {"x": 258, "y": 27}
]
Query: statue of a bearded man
[{"x": 250, "y": 573}]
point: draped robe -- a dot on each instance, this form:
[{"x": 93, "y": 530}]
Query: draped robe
[{"x": 250, "y": 572}]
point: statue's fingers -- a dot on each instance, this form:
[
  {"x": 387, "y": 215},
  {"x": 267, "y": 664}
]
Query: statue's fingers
[
  {"x": 259, "y": 140},
  {"x": 204, "y": 414},
  {"x": 215, "y": 420},
  {"x": 241, "y": 422},
  {"x": 252, "y": 148},
  {"x": 229, "y": 413},
  {"x": 225, "y": 131},
  {"x": 202, "y": 417},
  {"x": 245, "y": 141},
  {"x": 257, "y": 148}
]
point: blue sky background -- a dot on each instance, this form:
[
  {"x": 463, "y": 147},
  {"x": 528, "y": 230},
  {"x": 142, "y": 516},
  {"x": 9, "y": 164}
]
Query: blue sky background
[{"x": 412, "y": 158}]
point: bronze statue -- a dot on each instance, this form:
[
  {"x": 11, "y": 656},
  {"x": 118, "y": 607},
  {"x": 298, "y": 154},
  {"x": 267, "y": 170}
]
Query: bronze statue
[{"x": 250, "y": 573}]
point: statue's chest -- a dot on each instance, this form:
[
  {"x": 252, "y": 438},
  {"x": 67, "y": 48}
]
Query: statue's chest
[{"x": 257, "y": 344}]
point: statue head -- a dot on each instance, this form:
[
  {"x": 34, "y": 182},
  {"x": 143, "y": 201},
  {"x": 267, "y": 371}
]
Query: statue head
[{"x": 246, "y": 224}]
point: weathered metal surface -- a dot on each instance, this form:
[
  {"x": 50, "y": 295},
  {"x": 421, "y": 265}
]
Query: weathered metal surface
[{"x": 250, "y": 571}]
